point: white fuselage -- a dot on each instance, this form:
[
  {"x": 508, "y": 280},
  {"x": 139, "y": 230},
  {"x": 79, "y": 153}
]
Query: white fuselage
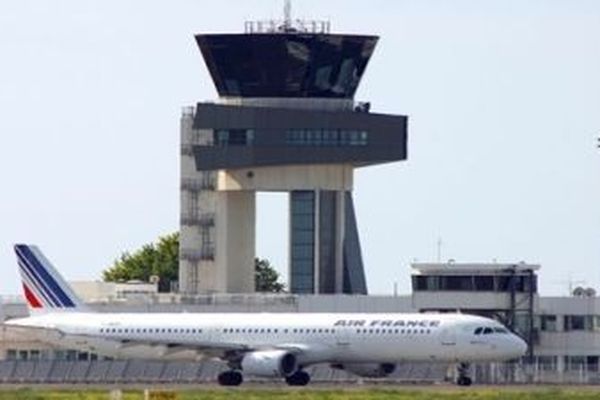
[{"x": 317, "y": 338}]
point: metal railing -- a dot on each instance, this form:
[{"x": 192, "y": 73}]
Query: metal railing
[
  {"x": 287, "y": 26},
  {"x": 206, "y": 219},
  {"x": 207, "y": 182}
]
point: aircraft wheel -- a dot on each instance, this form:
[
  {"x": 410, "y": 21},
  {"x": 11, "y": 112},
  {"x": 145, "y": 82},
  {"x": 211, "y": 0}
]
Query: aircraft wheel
[
  {"x": 298, "y": 378},
  {"x": 230, "y": 378},
  {"x": 464, "y": 381}
]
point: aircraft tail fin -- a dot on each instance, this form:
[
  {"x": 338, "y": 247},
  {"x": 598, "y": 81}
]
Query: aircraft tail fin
[{"x": 44, "y": 288}]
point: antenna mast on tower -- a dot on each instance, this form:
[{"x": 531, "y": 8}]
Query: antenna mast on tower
[
  {"x": 287, "y": 15},
  {"x": 287, "y": 25}
]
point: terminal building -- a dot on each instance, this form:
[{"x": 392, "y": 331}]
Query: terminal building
[{"x": 285, "y": 121}]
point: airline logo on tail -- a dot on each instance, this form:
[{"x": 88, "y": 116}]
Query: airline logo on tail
[{"x": 43, "y": 287}]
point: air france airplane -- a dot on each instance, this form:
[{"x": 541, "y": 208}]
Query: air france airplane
[{"x": 279, "y": 345}]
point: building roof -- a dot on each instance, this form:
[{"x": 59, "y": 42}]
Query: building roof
[{"x": 464, "y": 268}]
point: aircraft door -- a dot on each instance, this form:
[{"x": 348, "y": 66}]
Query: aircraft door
[
  {"x": 448, "y": 342},
  {"x": 342, "y": 336}
]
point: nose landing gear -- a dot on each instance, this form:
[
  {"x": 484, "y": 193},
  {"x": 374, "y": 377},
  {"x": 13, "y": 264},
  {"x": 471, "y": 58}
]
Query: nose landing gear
[{"x": 463, "y": 371}]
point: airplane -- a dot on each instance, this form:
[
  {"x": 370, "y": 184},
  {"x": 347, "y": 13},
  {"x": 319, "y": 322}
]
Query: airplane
[{"x": 276, "y": 345}]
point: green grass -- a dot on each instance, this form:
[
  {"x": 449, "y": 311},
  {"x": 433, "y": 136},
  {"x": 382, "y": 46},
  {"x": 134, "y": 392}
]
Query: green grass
[{"x": 432, "y": 393}]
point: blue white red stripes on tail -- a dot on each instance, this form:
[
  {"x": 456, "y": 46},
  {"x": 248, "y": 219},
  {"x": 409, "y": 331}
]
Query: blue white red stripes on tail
[
  {"x": 44, "y": 289},
  {"x": 30, "y": 297}
]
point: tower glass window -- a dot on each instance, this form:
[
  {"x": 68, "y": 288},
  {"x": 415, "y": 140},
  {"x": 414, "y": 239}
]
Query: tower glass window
[
  {"x": 327, "y": 241},
  {"x": 234, "y": 137},
  {"x": 302, "y": 232}
]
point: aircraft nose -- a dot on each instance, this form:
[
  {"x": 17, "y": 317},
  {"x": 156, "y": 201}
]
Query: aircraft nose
[{"x": 519, "y": 345}]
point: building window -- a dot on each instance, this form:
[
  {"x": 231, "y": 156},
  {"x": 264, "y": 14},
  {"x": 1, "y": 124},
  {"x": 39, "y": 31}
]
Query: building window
[
  {"x": 234, "y": 137},
  {"x": 479, "y": 283},
  {"x": 302, "y": 249},
  {"x": 592, "y": 363},
  {"x": 207, "y": 241},
  {"x": 419, "y": 283},
  {"x": 548, "y": 323},
  {"x": 578, "y": 323},
  {"x": 11, "y": 354},
  {"x": 456, "y": 283},
  {"x": 503, "y": 283},
  {"x": 575, "y": 363},
  {"x": 518, "y": 283},
  {"x": 527, "y": 283},
  {"x": 596, "y": 321},
  {"x": 484, "y": 283},
  {"x": 546, "y": 363},
  {"x": 208, "y": 180},
  {"x": 221, "y": 137},
  {"x": 327, "y": 137}
]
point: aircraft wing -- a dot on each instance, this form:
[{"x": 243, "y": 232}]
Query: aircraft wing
[
  {"x": 125, "y": 346},
  {"x": 130, "y": 346},
  {"x": 223, "y": 351}
]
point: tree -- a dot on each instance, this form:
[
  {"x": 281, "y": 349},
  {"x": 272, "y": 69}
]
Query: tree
[
  {"x": 266, "y": 277},
  {"x": 162, "y": 259}
]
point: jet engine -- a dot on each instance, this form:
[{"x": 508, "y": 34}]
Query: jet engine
[
  {"x": 269, "y": 363},
  {"x": 368, "y": 370}
]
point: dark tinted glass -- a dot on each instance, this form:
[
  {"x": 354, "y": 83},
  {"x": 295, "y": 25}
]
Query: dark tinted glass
[
  {"x": 327, "y": 239},
  {"x": 302, "y": 227},
  {"x": 286, "y": 65},
  {"x": 484, "y": 283},
  {"x": 456, "y": 283}
]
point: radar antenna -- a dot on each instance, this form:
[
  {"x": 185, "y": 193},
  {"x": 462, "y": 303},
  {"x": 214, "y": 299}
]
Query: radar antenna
[{"x": 287, "y": 15}]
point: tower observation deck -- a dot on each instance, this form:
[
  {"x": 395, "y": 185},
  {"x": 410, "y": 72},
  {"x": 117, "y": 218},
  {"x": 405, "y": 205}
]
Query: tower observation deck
[{"x": 285, "y": 121}]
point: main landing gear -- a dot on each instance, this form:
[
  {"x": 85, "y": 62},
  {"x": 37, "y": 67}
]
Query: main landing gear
[
  {"x": 463, "y": 370},
  {"x": 234, "y": 378},
  {"x": 230, "y": 378},
  {"x": 298, "y": 378}
]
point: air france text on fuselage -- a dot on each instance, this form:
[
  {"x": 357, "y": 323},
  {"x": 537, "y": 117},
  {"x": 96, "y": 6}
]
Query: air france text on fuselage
[{"x": 424, "y": 323}]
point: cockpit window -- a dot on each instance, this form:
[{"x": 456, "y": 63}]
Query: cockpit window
[{"x": 489, "y": 330}]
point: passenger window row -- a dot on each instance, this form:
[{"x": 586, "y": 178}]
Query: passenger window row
[
  {"x": 478, "y": 331},
  {"x": 395, "y": 331},
  {"x": 277, "y": 330},
  {"x": 151, "y": 330}
]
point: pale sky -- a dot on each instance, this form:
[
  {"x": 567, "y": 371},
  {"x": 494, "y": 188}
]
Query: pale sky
[{"x": 503, "y": 99}]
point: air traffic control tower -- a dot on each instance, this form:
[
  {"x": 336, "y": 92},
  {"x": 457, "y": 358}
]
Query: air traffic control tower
[{"x": 285, "y": 121}]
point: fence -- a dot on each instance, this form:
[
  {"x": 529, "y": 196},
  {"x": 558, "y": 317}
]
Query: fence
[{"x": 174, "y": 372}]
